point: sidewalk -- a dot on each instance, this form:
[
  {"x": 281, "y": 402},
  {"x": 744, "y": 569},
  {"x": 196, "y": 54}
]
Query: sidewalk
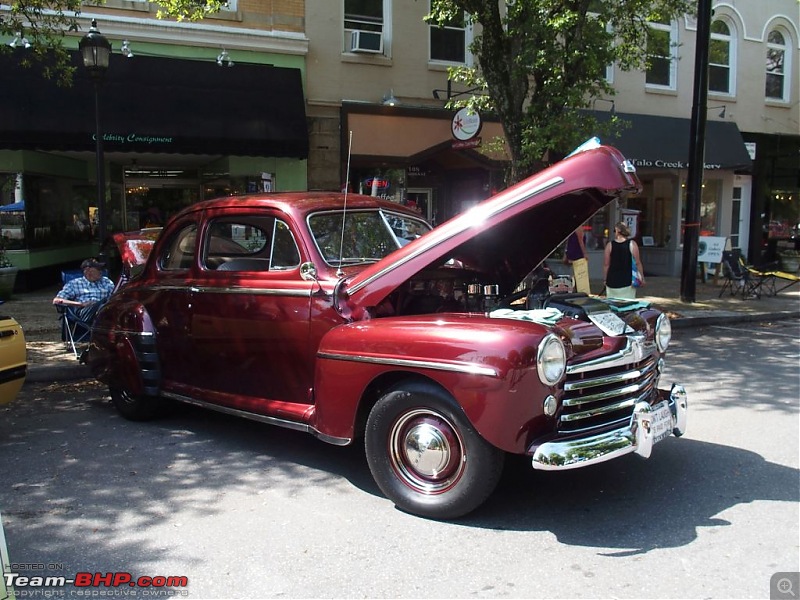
[{"x": 49, "y": 360}]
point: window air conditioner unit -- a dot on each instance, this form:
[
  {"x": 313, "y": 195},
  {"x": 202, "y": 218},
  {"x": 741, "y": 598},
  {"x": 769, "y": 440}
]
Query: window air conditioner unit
[{"x": 366, "y": 41}]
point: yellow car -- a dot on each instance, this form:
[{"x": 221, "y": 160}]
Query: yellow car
[{"x": 13, "y": 359}]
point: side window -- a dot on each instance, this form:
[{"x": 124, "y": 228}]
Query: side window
[
  {"x": 249, "y": 243},
  {"x": 179, "y": 254},
  {"x": 662, "y": 44},
  {"x": 284, "y": 248}
]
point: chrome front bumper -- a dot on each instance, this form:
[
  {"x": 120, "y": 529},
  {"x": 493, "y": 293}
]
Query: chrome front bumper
[{"x": 639, "y": 437}]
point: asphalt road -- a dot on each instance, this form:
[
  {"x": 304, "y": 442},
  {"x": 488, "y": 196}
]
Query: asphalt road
[{"x": 244, "y": 510}]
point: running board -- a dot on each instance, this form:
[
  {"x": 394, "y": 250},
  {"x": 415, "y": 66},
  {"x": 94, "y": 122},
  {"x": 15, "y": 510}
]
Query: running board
[{"x": 285, "y": 423}]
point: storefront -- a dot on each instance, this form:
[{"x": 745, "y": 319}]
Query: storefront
[
  {"x": 659, "y": 148},
  {"x": 410, "y": 155},
  {"x": 174, "y": 132}
]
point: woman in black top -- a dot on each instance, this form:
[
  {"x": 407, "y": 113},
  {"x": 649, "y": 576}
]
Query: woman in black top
[{"x": 620, "y": 254}]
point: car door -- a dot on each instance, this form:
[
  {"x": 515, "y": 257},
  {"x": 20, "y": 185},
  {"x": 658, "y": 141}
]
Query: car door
[
  {"x": 250, "y": 313},
  {"x": 167, "y": 299}
]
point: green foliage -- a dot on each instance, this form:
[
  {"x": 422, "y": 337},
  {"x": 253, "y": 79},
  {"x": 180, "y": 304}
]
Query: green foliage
[
  {"x": 188, "y": 10},
  {"x": 44, "y": 24},
  {"x": 541, "y": 61}
]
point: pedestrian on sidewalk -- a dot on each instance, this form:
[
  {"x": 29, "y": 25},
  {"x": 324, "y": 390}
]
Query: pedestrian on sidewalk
[
  {"x": 84, "y": 295},
  {"x": 576, "y": 247},
  {"x": 621, "y": 254}
]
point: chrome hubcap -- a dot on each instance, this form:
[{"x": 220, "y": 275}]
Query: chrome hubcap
[{"x": 426, "y": 451}]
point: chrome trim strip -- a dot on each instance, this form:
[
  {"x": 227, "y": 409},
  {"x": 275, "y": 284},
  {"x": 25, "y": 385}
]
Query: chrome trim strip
[
  {"x": 551, "y": 183},
  {"x": 229, "y": 290},
  {"x": 260, "y": 418},
  {"x": 633, "y": 388},
  {"x": 468, "y": 368},
  {"x": 596, "y": 412},
  {"x": 586, "y": 414},
  {"x": 107, "y": 330},
  {"x": 253, "y": 291},
  {"x": 583, "y": 384},
  {"x": 636, "y": 350}
]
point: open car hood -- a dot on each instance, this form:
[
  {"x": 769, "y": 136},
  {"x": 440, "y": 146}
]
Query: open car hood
[{"x": 506, "y": 236}]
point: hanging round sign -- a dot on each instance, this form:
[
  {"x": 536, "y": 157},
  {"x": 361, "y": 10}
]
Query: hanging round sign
[{"x": 466, "y": 124}]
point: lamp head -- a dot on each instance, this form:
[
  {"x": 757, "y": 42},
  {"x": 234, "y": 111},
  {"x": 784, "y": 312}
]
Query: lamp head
[{"x": 96, "y": 50}]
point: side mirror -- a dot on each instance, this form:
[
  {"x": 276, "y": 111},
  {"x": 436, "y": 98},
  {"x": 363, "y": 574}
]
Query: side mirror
[{"x": 308, "y": 272}]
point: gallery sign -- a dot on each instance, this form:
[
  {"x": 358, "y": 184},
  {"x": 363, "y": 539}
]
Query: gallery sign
[{"x": 659, "y": 163}]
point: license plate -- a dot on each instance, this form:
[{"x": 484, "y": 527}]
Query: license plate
[{"x": 662, "y": 422}]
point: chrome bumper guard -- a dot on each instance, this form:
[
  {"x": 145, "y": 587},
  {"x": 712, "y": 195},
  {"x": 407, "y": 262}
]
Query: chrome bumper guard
[{"x": 639, "y": 437}]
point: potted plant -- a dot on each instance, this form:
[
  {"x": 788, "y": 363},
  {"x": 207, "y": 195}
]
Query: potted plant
[
  {"x": 8, "y": 272},
  {"x": 790, "y": 260}
]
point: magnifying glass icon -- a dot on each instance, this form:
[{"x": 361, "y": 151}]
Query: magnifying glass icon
[{"x": 785, "y": 587}]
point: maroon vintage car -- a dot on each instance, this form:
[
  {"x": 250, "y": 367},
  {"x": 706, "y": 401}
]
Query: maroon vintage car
[{"x": 443, "y": 349}]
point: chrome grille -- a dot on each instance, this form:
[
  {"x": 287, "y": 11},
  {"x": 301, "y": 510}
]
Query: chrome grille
[{"x": 600, "y": 394}]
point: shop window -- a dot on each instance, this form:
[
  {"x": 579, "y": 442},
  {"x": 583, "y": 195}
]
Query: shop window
[
  {"x": 388, "y": 184},
  {"x": 710, "y": 198},
  {"x": 448, "y": 42},
  {"x": 57, "y": 212},
  {"x": 655, "y": 211},
  {"x": 709, "y": 207},
  {"x": 777, "y": 86},
  {"x": 662, "y": 59},
  {"x": 721, "y": 59}
]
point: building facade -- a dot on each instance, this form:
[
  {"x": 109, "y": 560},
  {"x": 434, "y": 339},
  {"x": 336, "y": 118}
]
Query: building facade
[
  {"x": 377, "y": 82},
  {"x": 335, "y": 94},
  {"x": 187, "y": 111}
]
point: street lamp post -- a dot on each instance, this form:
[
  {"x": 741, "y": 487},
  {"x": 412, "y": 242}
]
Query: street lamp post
[{"x": 96, "y": 50}]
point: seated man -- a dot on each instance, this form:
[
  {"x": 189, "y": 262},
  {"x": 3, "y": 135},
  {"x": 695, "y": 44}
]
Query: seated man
[{"x": 84, "y": 295}]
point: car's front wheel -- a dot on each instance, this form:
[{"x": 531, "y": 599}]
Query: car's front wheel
[
  {"x": 135, "y": 408},
  {"x": 425, "y": 455}
]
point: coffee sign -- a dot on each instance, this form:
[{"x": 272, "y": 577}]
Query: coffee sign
[{"x": 466, "y": 124}]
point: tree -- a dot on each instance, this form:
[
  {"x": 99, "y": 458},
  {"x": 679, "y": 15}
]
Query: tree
[
  {"x": 540, "y": 62},
  {"x": 40, "y": 27}
]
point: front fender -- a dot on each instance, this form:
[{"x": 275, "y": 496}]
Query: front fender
[{"x": 487, "y": 365}]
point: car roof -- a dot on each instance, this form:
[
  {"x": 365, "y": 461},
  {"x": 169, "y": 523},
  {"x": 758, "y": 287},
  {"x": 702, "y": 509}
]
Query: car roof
[{"x": 301, "y": 203}]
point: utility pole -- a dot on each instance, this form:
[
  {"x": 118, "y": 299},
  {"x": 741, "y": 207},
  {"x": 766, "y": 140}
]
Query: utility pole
[{"x": 697, "y": 134}]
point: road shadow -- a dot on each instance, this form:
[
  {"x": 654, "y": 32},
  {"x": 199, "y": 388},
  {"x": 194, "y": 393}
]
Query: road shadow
[
  {"x": 636, "y": 505},
  {"x": 67, "y": 454}
]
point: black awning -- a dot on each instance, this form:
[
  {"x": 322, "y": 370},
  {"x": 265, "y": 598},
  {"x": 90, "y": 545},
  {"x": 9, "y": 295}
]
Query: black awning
[
  {"x": 152, "y": 104},
  {"x": 663, "y": 142}
]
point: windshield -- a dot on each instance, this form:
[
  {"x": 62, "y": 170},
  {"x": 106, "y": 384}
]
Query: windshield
[{"x": 368, "y": 235}]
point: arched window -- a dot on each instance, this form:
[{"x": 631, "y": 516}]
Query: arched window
[
  {"x": 721, "y": 57},
  {"x": 778, "y": 67}
]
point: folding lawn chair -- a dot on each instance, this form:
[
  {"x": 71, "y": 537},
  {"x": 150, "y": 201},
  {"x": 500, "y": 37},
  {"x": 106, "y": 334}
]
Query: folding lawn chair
[
  {"x": 740, "y": 281},
  {"x": 76, "y": 321}
]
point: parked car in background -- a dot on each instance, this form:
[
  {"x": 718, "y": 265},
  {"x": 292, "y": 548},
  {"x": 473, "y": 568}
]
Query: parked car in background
[
  {"x": 13, "y": 358},
  {"x": 443, "y": 350}
]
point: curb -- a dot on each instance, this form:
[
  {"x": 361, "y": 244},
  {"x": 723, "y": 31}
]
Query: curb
[
  {"x": 728, "y": 318},
  {"x": 50, "y": 373}
]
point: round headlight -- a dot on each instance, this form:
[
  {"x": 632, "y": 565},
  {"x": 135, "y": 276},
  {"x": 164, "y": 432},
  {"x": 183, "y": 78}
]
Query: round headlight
[
  {"x": 551, "y": 360},
  {"x": 663, "y": 332}
]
